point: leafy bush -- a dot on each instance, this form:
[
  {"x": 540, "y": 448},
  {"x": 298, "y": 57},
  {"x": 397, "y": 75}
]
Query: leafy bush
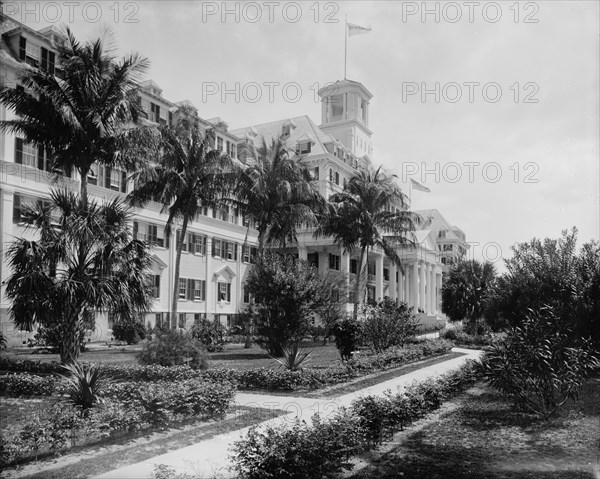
[
  {"x": 84, "y": 385},
  {"x": 162, "y": 401},
  {"x": 27, "y": 385},
  {"x": 538, "y": 366},
  {"x": 325, "y": 448},
  {"x": 173, "y": 348},
  {"x": 299, "y": 452},
  {"x": 209, "y": 333},
  {"x": 132, "y": 332},
  {"x": 386, "y": 324},
  {"x": 347, "y": 334},
  {"x": 27, "y": 365}
]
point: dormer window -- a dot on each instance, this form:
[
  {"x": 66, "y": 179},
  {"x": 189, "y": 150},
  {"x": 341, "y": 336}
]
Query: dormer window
[
  {"x": 303, "y": 148},
  {"x": 285, "y": 131}
]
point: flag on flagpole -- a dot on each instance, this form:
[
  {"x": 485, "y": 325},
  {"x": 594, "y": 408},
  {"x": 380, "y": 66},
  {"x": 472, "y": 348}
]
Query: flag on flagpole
[
  {"x": 356, "y": 29},
  {"x": 419, "y": 187}
]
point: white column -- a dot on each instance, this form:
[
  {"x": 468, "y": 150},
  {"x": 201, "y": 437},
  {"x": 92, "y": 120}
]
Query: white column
[
  {"x": 438, "y": 299},
  {"x": 393, "y": 287},
  {"x": 431, "y": 281},
  {"x": 422, "y": 286},
  {"x": 414, "y": 286},
  {"x": 302, "y": 252},
  {"x": 345, "y": 267},
  {"x": 379, "y": 276}
]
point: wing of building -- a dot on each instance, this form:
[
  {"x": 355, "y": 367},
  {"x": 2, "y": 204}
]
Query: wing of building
[{"x": 219, "y": 247}]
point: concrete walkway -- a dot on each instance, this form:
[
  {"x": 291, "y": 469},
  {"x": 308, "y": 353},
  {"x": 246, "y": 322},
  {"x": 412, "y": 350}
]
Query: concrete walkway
[{"x": 210, "y": 458}]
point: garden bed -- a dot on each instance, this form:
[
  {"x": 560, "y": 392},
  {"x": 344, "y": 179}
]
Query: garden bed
[{"x": 484, "y": 437}]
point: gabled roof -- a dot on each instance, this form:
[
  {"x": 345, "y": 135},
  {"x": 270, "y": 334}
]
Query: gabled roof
[{"x": 434, "y": 221}]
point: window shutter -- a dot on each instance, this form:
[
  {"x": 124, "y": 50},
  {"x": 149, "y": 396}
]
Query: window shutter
[
  {"x": 16, "y": 208},
  {"x": 190, "y": 289},
  {"x": 19, "y": 151},
  {"x": 157, "y": 285},
  {"x": 167, "y": 239},
  {"x": 44, "y": 59},
  {"x": 229, "y": 292},
  {"x": 51, "y": 61},
  {"x": 235, "y": 251},
  {"x": 40, "y": 158},
  {"x": 190, "y": 241},
  {"x": 123, "y": 182},
  {"x": 213, "y": 247},
  {"x": 22, "y": 48},
  {"x": 107, "y": 176},
  {"x": 135, "y": 229}
]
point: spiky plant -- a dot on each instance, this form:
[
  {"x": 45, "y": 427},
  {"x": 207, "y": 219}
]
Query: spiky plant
[
  {"x": 84, "y": 385},
  {"x": 293, "y": 357}
]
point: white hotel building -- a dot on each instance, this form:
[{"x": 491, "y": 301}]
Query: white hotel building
[{"x": 219, "y": 247}]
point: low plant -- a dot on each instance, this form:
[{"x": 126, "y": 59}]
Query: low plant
[
  {"x": 293, "y": 357},
  {"x": 386, "y": 324},
  {"x": 21, "y": 384},
  {"x": 539, "y": 365},
  {"x": 174, "y": 348},
  {"x": 84, "y": 384},
  {"x": 210, "y": 333}
]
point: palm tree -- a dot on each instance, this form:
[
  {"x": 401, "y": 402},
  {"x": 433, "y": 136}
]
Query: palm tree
[
  {"x": 84, "y": 259},
  {"x": 275, "y": 192},
  {"x": 81, "y": 116},
  {"x": 189, "y": 175},
  {"x": 369, "y": 213}
]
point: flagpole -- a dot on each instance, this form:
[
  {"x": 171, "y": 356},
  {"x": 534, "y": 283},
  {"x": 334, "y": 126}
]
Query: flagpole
[{"x": 345, "y": 45}]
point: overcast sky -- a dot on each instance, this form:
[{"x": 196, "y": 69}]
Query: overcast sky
[{"x": 508, "y": 144}]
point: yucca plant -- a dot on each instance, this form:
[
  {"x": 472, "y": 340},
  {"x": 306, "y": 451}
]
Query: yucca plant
[
  {"x": 293, "y": 357},
  {"x": 84, "y": 384}
]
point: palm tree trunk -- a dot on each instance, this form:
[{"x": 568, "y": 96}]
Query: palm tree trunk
[
  {"x": 69, "y": 345},
  {"x": 261, "y": 240},
  {"x": 178, "y": 247},
  {"x": 83, "y": 187},
  {"x": 358, "y": 286}
]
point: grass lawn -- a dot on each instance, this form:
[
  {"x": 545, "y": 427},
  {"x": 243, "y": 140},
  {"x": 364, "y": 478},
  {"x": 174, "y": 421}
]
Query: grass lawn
[
  {"x": 483, "y": 437},
  {"x": 233, "y": 356}
]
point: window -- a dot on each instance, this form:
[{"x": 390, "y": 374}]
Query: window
[
  {"x": 26, "y": 153},
  {"x": 48, "y": 59},
  {"x": 156, "y": 286},
  {"x": 303, "y": 148},
  {"x": 197, "y": 244},
  {"x": 224, "y": 291},
  {"x": 199, "y": 290},
  {"x": 114, "y": 179},
  {"x": 231, "y": 150},
  {"x": 371, "y": 292},
  {"x": 371, "y": 269},
  {"x": 442, "y": 234},
  {"x": 249, "y": 253},
  {"x": 151, "y": 234},
  {"x": 92, "y": 176},
  {"x": 217, "y": 247},
  {"x": 111, "y": 320},
  {"x": 220, "y": 143},
  {"x": 448, "y": 247},
  {"x": 182, "y": 318},
  {"x": 337, "y": 178},
  {"x": 443, "y": 260},
  {"x": 231, "y": 251},
  {"x": 386, "y": 274},
  {"x": 313, "y": 259},
  {"x": 330, "y": 174},
  {"x": 345, "y": 183},
  {"x": 353, "y": 266},
  {"x": 24, "y": 201},
  {"x": 182, "y": 288},
  {"x": 285, "y": 131},
  {"x": 158, "y": 320},
  {"x": 154, "y": 113},
  {"x": 315, "y": 175},
  {"x": 246, "y": 289},
  {"x": 334, "y": 262}
]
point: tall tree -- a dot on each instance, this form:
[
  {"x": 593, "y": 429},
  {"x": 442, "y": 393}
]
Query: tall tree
[
  {"x": 465, "y": 289},
  {"x": 188, "y": 175},
  {"x": 84, "y": 259},
  {"x": 275, "y": 192},
  {"x": 81, "y": 115},
  {"x": 369, "y": 213}
]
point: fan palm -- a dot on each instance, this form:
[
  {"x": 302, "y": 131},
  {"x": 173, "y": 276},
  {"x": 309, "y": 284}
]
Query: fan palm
[
  {"x": 188, "y": 175},
  {"x": 84, "y": 259},
  {"x": 275, "y": 193},
  {"x": 369, "y": 213},
  {"x": 81, "y": 116}
]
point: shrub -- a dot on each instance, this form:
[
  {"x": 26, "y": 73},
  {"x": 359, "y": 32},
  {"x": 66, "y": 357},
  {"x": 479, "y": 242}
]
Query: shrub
[
  {"x": 209, "y": 333},
  {"x": 386, "y": 324},
  {"x": 173, "y": 348},
  {"x": 130, "y": 332},
  {"x": 299, "y": 452},
  {"x": 538, "y": 366},
  {"x": 2, "y": 341},
  {"x": 27, "y": 385},
  {"x": 347, "y": 334},
  {"x": 83, "y": 385}
]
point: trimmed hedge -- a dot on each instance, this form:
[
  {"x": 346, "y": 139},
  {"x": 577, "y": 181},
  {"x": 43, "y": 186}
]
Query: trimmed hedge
[
  {"x": 23, "y": 384},
  {"x": 259, "y": 378},
  {"x": 324, "y": 448}
]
